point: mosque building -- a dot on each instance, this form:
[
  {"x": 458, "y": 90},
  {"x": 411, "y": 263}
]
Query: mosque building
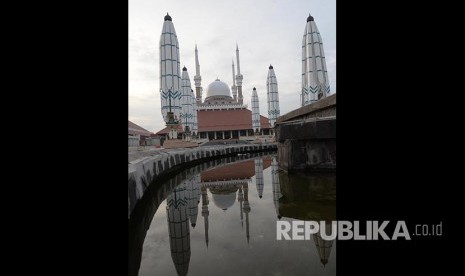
[{"x": 221, "y": 114}]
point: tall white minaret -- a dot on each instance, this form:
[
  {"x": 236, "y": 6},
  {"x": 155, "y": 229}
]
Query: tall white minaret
[
  {"x": 195, "y": 125},
  {"x": 197, "y": 78},
  {"x": 255, "y": 112},
  {"x": 315, "y": 82},
  {"x": 234, "y": 87},
  {"x": 170, "y": 74},
  {"x": 272, "y": 96},
  {"x": 178, "y": 226},
  {"x": 187, "y": 111},
  {"x": 259, "y": 176},
  {"x": 193, "y": 199},
  {"x": 275, "y": 185},
  {"x": 240, "y": 98}
]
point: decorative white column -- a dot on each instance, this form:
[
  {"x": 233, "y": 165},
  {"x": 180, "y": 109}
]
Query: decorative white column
[
  {"x": 315, "y": 82},
  {"x": 239, "y": 78},
  {"x": 255, "y": 113},
  {"x": 272, "y": 96},
  {"x": 170, "y": 75}
]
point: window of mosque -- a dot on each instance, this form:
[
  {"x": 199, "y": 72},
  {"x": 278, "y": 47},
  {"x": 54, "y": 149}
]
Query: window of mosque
[
  {"x": 250, "y": 131},
  {"x": 242, "y": 132},
  {"x": 203, "y": 135},
  {"x": 266, "y": 132}
]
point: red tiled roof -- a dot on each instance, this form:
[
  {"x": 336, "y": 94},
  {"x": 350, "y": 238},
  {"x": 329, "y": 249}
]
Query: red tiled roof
[
  {"x": 221, "y": 120},
  {"x": 137, "y": 130},
  {"x": 240, "y": 170}
]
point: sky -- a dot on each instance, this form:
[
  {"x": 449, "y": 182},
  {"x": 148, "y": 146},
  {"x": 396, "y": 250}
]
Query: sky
[{"x": 267, "y": 32}]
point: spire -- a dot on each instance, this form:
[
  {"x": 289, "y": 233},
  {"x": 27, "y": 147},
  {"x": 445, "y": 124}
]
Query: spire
[
  {"x": 234, "y": 73},
  {"x": 168, "y": 17},
  {"x": 237, "y": 57},
  {"x": 197, "y": 78},
  {"x": 197, "y": 65},
  {"x": 309, "y": 18},
  {"x": 184, "y": 68},
  {"x": 271, "y": 67}
]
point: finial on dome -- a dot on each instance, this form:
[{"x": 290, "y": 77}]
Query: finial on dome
[
  {"x": 184, "y": 68},
  {"x": 254, "y": 88},
  {"x": 309, "y": 18},
  {"x": 271, "y": 67},
  {"x": 168, "y": 17}
]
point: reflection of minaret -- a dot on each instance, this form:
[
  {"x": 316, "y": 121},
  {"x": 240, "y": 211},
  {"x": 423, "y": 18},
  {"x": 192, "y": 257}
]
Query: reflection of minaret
[
  {"x": 255, "y": 112},
  {"x": 240, "y": 198},
  {"x": 246, "y": 209},
  {"x": 193, "y": 199},
  {"x": 205, "y": 211},
  {"x": 170, "y": 75},
  {"x": 315, "y": 83},
  {"x": 259, "y": 176},
  {"x": 275, "y": 184},
  {"x": 234, "y": 87},
  {"x": 239, "y": 78},
  {"x": 323, "y": 247},
  {"x": 178, "y": 225}
]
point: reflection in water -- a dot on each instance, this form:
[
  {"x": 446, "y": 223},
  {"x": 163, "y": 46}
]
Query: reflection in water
[
  {"x": 294, "y": 197},
  {"x": 178, "y": 224}
]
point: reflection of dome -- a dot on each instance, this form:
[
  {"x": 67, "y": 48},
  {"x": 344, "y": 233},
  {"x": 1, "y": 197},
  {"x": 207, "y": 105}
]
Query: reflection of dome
[
  {"x": 218, "y": 88},
  {"x": 224, "y": 197}
]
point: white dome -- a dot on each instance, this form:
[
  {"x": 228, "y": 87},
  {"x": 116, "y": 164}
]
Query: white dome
[
  {"x": 218, "y": 88},
  {"x": 224, "y": 201}
]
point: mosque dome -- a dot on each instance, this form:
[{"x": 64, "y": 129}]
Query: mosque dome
[{"x": 218, "y": 88}]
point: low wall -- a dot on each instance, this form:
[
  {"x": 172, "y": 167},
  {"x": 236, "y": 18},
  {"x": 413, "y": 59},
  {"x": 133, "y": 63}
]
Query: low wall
[{"x": 144, "y": 171}]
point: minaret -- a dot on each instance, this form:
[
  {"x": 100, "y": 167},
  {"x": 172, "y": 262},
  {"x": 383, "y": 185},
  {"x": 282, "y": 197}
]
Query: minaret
[
  {"x": 197, "y": 78},
  {"x": 187, "y": 112},
  {"x": 195, "y": 125},
  {"x": 239, "y": 77},
  {"x": 205, "y": 212},
  {"x": 315, "y": 82},
  {"x": 170, "y": 74},
  {"x": 275, "y": 185},
  {"x": 178, "y": 226},
  {"x": 246, "y": 209},
  {"x": 272, "y": 96},
  {"x": 323, "y": 246},
  {"x": 234, "y": 87},
  {"x": 193, "y": 199},
  {"x": 255, "y": 112},
  {"x": 259, "y": 176}
]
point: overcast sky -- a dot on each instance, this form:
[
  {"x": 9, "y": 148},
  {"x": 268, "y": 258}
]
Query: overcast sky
[{"x": 267, "y": 32}]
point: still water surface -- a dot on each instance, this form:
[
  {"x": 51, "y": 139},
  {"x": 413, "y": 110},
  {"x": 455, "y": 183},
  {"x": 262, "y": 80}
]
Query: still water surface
[{"x": 222, "y": 221}]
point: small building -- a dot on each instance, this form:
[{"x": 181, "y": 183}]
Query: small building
[{"x": 138, "y": 136}]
